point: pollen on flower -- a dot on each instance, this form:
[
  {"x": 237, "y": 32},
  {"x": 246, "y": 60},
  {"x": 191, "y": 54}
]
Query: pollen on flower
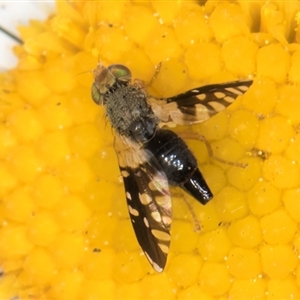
[{"x": 65, "y": 231}]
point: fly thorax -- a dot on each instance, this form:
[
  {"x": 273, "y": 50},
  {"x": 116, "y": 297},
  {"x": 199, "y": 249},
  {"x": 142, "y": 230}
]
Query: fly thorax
[
  {"x": 130, "y": 114},
  {"x": 142, "y": 130}
]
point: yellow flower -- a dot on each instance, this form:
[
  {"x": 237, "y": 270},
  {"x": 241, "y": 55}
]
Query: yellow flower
[{"x": 65, "y": 231}]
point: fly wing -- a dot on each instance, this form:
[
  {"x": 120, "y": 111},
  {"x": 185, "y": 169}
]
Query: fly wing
[
  {"x": 198, "y": 105},
  {"x": 148, "y": 199}
]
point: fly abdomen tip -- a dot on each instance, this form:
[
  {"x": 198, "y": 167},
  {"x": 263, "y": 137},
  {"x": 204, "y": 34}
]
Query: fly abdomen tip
[{"x": 198, "y": 188}]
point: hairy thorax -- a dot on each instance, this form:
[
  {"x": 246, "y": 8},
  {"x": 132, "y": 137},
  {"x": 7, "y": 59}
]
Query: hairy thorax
[{"x": 130, "y": 114}]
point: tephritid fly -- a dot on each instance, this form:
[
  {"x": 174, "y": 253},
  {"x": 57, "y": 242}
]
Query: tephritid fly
[{"x": 152, "y": 157}]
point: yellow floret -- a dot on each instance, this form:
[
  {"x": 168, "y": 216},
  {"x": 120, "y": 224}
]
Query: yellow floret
[
  {"x": 282, "y": 172},
  {"x": 262, "y": 99},
  {"x": 177, "y": 269},
  {"x": 214, "y": 278},
  {"x": 273, "y": 264},
  {"x": 244, "y": 126},
  {"x": 214, "y": 245},
  {"x": 72, "y": 213},
  {"x": 246, "y": 232},
  {"x": 191, "y": 25},
  {"x": 8, "y": 182},
  {"x": 47, "y": 191},
  {"x": 163, "y": 44},
  {"x": 227, "y": 21},
  {"x": 65, "y": 285},
  {"x": 194, "y": 292},
  {"x": 294, "y": 74},
  {"x": 33, "y": 273},
  {"x": 231, "y": 204},
  {"x": 273, "y": 62},
  {"x": 248, "y": 289},
  {"x": 18, "y": 206},
  {"x": 25, "y": 164},
  {"x": 263, "y": 198},
  {"x": 239, "y": 55},
  {"x": 184, "y": 230},
  {"x": 140, "y": 14},
  {"x": 65, "y": 232},
  {"x": 287, "y": 104},
  {"x": 14, "y": 242},
  {"x": 279, "y": 133},
  {"x": 278, "y": 227},
  {"x": 203, "y": 56},
  {"x": 60, "y": 249},
  {"x": 292, "y": 204},
  {"x": 244, "y": 263},
  {"x": 42, "y": 230},
  {"x": 33, "y": 129},
  {"x": 283, "y": 289},
  {"x": 156, "y": 287}
]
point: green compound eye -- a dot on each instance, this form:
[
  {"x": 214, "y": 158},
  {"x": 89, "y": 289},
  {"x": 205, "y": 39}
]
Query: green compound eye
[
  {"x": 96, "y": 95},
  {"x": 120, "y": 72}
]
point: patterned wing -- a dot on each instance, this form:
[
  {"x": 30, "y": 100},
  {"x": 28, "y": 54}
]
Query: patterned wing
[
  {"x": 148, "y": 200},
  {"x": 199, "y": 104}
]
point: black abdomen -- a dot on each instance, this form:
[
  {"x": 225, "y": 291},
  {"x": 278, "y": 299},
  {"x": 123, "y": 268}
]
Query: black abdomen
[{"x": 179, "y": 164}]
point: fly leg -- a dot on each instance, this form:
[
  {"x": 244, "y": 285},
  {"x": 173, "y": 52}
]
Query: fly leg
[
  {"x": 142, "y": 84},
  {"x": 199, "y": 137}
]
